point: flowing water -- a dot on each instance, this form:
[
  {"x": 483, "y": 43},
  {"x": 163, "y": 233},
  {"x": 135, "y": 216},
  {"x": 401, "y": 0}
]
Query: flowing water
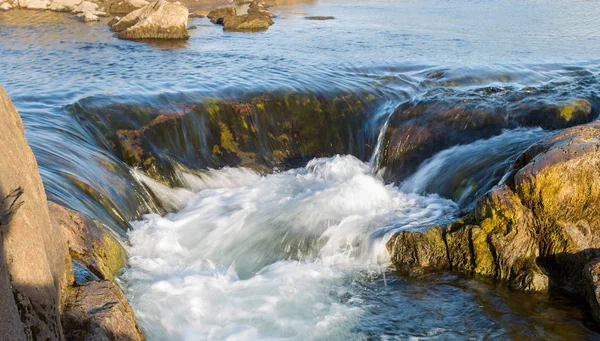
[{"x": 299, "y": 253}]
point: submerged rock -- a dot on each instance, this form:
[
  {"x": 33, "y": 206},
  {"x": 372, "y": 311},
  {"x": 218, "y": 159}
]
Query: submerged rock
[
  {"x": 538, "y": 230},
  {"x": 260, "y": 131},
  {"x": 157, "y": 20},
  {"x": 447, "y": 117},
  {"x": 126, "y": 6},
  {"x": 318, "y": 17}
]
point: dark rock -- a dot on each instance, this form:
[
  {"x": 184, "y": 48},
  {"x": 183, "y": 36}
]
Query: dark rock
[{"x": 319, "y": 18}]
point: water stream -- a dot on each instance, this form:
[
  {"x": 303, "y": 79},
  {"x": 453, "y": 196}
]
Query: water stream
[{"x": 298, "y": 252}]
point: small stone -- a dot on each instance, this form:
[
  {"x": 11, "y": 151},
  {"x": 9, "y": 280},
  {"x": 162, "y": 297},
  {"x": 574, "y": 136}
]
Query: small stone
[{"x": 319, "y": 18}]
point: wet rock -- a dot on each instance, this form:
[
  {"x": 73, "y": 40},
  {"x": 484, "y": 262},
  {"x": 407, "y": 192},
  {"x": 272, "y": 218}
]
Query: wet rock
[
  {"x": 445, "y": 118},
  {"x": 538, "y": 230},
  {"x": 196, "y": 15},
  {"x": 98, "y": 310},
  {"x": 113, "y": 21},
  {"x": 89, "y": 242},
  {"x": 318, "y": 17},
  {"x": 257, "y": 131},
  {"x": 157, "y": 20},
  {"x": 126, "y": 6},
  {"x": 35, "y": 268},
  {"x": 217, "y": 15}
]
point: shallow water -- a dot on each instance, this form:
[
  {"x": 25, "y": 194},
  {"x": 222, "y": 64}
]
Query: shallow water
[{"x": 327, "y": 225}]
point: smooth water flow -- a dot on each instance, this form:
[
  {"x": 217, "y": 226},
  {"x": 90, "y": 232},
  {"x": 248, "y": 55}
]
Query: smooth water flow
[{"x": 274, "y": 258}]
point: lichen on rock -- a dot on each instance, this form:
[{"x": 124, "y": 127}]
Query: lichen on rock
[{"x": 536, "y": 231}]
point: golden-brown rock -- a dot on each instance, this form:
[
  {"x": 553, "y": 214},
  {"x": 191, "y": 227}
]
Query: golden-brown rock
[{"x": 157, "y": 20}]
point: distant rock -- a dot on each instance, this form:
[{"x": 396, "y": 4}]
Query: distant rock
[
  {"x": 126, "y": 6},
  {"x": 196, "y": 15},
  {"x": 64, "y": 5},
  {"x": 257, "y": 18},
  {"x": 319, "y": 18},
  {"x": 157, "y": 20},
  {"x": 5, "y": 7},
  {"x": 216, "y": 16},
  {"x": 247, "y": 23}
]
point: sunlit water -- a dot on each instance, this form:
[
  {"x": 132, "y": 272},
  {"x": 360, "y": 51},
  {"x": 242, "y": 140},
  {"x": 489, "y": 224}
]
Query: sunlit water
[{"x": 300, "y": 255}]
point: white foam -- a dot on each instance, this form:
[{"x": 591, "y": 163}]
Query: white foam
[{"x": 269, "y": 260}]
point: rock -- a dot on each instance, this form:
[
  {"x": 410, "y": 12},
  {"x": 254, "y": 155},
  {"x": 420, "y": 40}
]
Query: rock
[
  {"x": 247, "y": 23},
  {"x": 64, "y": 5},
  {"x": 5, "y": 6},
  {"x": 126, "y": 6},
  {"x": 38, "y": 4},
  {"x": 445, "y": 118},
  {"x": 196, "y": 15},
  {"x": 99, "y": 311},
  {"x": 89, "y": 242},
  {"x": 86, "y": 6},
  {"x": 35, "y": 267},
  {"x": 113, "y": 21},
  {"x": 157, "y": 20},
  {"x": 88, "y": 16},
  {"x": 319, "y": 18},
  {"x": 538, "y": 230},
  {"x": 216, "y": 16}
]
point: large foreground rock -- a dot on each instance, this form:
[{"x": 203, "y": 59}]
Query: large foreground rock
[
  {"x": 38, "y": 291},
  {"x": 539, "y": 230},
  {"x": 35, "y": 267},
  {"x": 157, "y": 20}
]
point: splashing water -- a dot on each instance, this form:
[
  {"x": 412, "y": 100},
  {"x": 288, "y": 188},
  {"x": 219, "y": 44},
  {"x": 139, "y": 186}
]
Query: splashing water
[{"x": 272, "y": 258}]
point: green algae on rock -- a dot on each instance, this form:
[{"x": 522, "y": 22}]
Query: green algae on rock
[
  {"x": 256, "y": 131},
  {"x": 539, "y": 230}
]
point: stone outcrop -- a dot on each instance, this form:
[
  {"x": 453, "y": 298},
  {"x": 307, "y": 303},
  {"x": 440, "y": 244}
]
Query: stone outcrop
[
  {"x": 257, "y": 131},
  {"x": 157, "y": 20},
  {"x": 35, "y": 267},
  {"x": 98, "y": 310},
  {"x": 258, "y": 18},
  {"x": 217, "y": 15},
  {"x": 539, "y": 230},
  {"x": 126, "y": 6},
  {"x": 42, "y": 243},
  {"x": 448, "y": 117}
]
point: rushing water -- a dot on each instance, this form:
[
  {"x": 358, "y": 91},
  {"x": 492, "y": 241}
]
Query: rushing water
[{"x": 300, "y": 254}]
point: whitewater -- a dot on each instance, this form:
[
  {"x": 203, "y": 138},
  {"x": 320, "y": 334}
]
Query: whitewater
[{"x": 272, "y": 257}]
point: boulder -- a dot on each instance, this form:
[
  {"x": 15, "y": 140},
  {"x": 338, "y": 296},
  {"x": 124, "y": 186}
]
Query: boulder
[
  {"x": 90, "y": 242},
  {"x": 216, "y": 16},
  {"x": 126, "y": 6},
  {"x": 248, "y": 22},
  {"x": 64, "y": 5},
  {"x": 35, "y": 267},
  {"x": 157, "y": 20},
  {"x": 5, "y": 6},
  {"x": 538, "y": 230},
  {"x": 98, "y": 311},
  {"x": 38, "y": 4}
]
